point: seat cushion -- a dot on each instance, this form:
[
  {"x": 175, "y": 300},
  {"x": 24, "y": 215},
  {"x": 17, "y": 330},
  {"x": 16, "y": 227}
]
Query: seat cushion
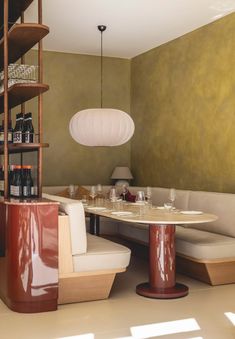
[
  {"x": 203, "y": 245},
  {"x": 75, "y": 211},
  {"x": 101, "y": 254}
]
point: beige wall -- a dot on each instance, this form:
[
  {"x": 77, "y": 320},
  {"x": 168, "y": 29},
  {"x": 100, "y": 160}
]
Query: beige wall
[
  {"x": 183, "y": 104},
  {"x": 74, "y": 85}
]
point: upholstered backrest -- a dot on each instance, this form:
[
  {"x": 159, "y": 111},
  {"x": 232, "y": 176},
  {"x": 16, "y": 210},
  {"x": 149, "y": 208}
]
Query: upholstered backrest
[
  {"x": 182, "y": 199},
  {"x": 75, "y": 211},
  {"x": 220, "y": 204},
  {"x": 160, "y": 195}
]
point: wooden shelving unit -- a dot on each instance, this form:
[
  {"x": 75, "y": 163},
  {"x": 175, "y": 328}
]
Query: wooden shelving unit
[
  {"x": 28, "y": 227},
  {"x": 15, "y": 42},
  {"x": 21, "y": 38}
]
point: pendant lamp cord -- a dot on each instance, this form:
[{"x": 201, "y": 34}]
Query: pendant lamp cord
[
  {"x": 101, "y": 71},
  {"x": 101, "y": 28}
]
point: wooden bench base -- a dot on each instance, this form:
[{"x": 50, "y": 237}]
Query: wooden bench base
[
  {"x": 86, "y": 286},
  {"x": 213, "y": 272}
]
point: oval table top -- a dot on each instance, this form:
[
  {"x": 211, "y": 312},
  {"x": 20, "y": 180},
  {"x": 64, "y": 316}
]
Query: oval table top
[{"x": 154, "y": 215}]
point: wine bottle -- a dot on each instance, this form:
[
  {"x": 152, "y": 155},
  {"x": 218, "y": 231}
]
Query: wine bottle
[
  {"x": 28, "y": 130},
  {"x": 18, "y": 130},
  {"x": 16, "y": 188},
  {"x": 27, "y": 182}
]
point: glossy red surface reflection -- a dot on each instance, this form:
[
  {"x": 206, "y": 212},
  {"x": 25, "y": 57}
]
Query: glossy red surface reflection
[
  {"x": 162, "y": 283},
  {"x": 29, "y": 255}
]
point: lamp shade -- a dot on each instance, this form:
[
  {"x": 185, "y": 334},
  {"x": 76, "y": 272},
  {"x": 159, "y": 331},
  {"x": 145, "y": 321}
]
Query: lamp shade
[
  {"x": 122, "y": 173},
  {"x": 101, "y": 127}
]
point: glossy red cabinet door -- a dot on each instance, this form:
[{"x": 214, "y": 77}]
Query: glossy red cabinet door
[{"x": 29, "y": 255}]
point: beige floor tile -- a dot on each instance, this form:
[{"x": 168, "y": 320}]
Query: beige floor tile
[{"x": 116, "y": 316}]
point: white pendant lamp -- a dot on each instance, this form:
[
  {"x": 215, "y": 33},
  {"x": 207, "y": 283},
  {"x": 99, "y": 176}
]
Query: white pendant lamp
[{"x": 101, "y": 126}]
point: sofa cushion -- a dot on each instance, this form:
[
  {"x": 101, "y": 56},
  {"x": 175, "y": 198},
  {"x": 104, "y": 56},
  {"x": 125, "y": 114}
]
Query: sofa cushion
[
  {"x": 203, "y": 245},
  {"x": 220, "y": 204},
  {"x": 190, "y": 242},
  {"x": 101, "y": 254},
  {"x": 76, "y": 214}
]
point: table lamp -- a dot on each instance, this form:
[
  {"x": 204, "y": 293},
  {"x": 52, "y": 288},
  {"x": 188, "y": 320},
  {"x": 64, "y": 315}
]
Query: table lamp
[{"x": 122, "y": 175}]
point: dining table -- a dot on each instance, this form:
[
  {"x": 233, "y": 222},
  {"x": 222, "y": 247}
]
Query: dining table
[{"x": 162, "y": 224}]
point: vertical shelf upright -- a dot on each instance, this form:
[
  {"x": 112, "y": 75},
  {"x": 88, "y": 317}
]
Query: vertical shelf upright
[
  {"x": 6, "y": 107},
  {"x": 40, "y": 78},
  {"x": 28, "y": 261}
]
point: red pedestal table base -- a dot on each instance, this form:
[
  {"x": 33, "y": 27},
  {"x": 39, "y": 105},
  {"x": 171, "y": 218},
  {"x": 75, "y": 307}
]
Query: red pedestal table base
[
  {"x": 178, "y": 291},
  {"x": 162, "y": 283}
]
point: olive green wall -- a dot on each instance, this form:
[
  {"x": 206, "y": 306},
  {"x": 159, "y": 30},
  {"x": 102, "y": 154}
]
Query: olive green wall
[
  {"x": 183, "y": 104},
  {"x": 74, "y": 85}
]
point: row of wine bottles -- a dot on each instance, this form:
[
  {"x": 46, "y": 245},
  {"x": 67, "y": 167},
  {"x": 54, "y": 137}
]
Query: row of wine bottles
[
  {"x": 23, "y": 131},
  {"x": 20, "y": 181}
]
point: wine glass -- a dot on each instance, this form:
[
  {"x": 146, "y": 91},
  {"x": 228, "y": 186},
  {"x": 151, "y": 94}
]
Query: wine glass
[
  {"x": 99, "y": 189},
  {"x": 140, "y": 197},
  {"x": 113, "y": 194},
  {"x": 124, "y": 191},
  {"x": 72, "y": 191},
  {"x": 140, "y": 200},
  {"x": 149, "y": 195},
  {"x": 100, "y": 196},
  {"x": 92, "y": 193},
  {"x": 172, "y": 196}
]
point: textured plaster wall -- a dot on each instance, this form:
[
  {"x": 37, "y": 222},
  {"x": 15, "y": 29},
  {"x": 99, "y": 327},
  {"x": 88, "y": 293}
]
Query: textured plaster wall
[
  {"x": 74, "y": 85},
  {"x": 183, "y": 104}
]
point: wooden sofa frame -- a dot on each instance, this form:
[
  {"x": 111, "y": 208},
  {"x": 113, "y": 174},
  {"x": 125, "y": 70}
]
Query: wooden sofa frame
[
  {"x": 82, "y": 286},
  {"x": 214, "y": 272}
]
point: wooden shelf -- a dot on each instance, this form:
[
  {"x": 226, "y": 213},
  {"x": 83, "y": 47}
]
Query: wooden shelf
[
  {"x": 20, "y": 93},
  {"x": 15, "y": 9},
  {"x": 21, "y": 38},
  {"x": 23, "y": 148}
]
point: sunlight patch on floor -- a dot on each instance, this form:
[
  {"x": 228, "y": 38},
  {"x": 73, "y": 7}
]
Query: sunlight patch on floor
[
  {"x": 230, "y": 316},
  {"x": 169, "y": 327},
  {"x": 81, "y": 336}
]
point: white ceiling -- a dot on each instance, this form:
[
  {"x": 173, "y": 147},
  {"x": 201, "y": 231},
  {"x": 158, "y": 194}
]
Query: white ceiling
[{"x": 133, "y": 26}]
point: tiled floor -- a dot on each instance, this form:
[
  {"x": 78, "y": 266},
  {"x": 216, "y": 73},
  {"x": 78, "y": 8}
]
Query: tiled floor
[{"x": 126, "y": 315}]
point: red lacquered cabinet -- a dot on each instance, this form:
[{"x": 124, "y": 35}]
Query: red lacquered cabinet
[{"x": 29, "y": 255}]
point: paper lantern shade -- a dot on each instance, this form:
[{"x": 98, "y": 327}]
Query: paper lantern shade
[{"x": 101, "y": 127}]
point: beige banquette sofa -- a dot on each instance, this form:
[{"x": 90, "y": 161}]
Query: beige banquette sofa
[
  {"x": 87, "y": 263},
  {"x": 204, "y": 251}
]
